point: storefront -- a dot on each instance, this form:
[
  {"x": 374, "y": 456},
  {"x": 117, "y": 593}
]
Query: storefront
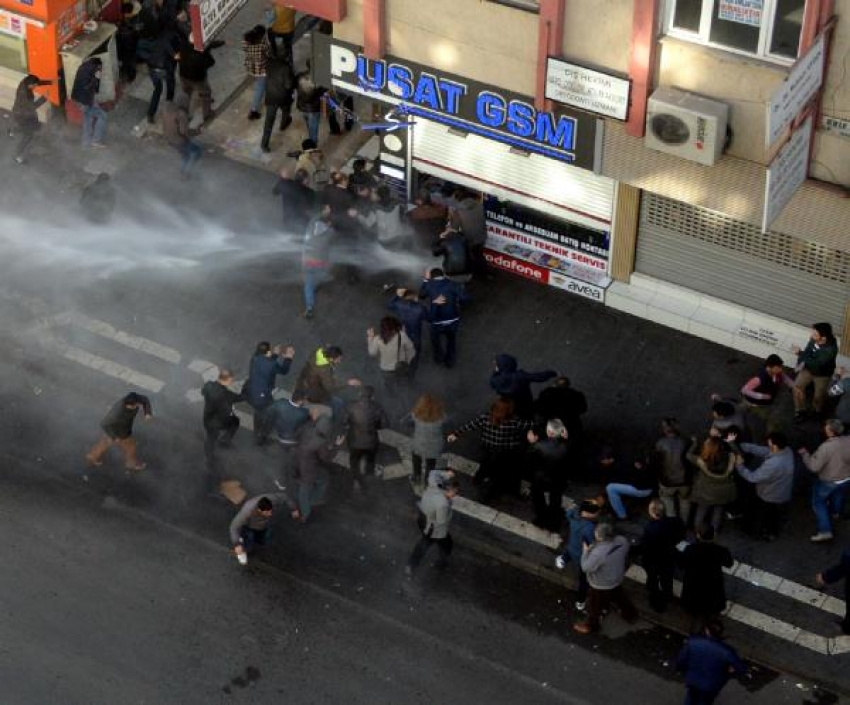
[
  {"x": 44, "y": 37},
  {"x": 548, "y": 214}
]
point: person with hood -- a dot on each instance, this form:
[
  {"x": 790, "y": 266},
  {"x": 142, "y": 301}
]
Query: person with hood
[
  {"x": 25, "y": 113},
  {"x": 582, "y": 519},
  {"x": 316, "y": 256},
  {"x": 443, "y": 298},
  {"x": 313, "y": 456},
  {"x": 97, "y": 200},
  {"x": 280, "y": 85},
  {"x": 117, "y": 428},
  {"x": 319, "y": 382},
  {"x": 435, "y": 508},
  {"x": 364, "y": 417},
  {"x": 548, "y": 462},
  {"x": 194, "y": 72},
  {"x": 428, "y": 419},
  {"x": 510, "y": 382},
  {"x": 561, "y": 401},
  {"x": 175, "y": 129},
  {"x": 84, "y": 93},
  {"x": 815, "y": 366},
  {"x": 714, "y": 482},
  {"x": 266, "y": 364}
]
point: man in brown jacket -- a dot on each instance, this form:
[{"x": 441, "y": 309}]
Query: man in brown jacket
[{"x": 175, "y": 129}]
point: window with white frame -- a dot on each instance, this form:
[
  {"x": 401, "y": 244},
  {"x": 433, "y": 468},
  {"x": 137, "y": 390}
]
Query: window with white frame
[{"x": 769, "y": 29}]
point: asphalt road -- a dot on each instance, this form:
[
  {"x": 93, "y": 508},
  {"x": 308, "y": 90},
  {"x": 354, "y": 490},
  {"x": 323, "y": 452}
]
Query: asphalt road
[{"x": 121, "y": 590}]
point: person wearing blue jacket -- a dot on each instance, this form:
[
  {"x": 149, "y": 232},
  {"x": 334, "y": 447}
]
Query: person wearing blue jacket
[
  {"x": 443, "y": 300},
  {"x": 266, "y": 364},
  {"x": 406, "y": 307},
  {"x": 708, "y": 664},
  {"x": 582, "y": 519},
  {"x": 510, "y": 382}
]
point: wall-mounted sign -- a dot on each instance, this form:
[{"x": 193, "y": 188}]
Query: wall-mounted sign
[
  {"x": 786, "y": 173},
  {"x": 209, "y": 17},
  {"x": 467, "y": 105},
  {"x": 796, "y": 91},
  {"x": 835, "y": 126},
  {"x": 748, "y": 12},
  {"x": 587, "y": 89},
  {"x": 12, "y": 24},
  {"x": 547, "y": 250}
]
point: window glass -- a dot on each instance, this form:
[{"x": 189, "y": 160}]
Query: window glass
[
  {"x": 738, "y": 30},
  {"x": 787, "y": 27},
  {"x": 13, "y": 53},
  {"x": 686, "y": 15}
]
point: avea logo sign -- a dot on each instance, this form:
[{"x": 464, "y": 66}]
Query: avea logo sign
[{"x": 459, "y": 103}]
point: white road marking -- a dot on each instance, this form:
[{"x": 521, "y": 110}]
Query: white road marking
[
  {"x": 103, "y": 329},
  {"x": 112, "y": 369}
]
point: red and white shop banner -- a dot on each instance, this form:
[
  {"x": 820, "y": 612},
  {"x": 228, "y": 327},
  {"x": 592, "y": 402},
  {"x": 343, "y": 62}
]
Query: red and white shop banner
[
  {"x": 497, "y": 231},
  {"x": 542, "y": 275}
]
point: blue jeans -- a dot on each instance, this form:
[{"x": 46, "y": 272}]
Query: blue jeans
[
  {"x": 312, "y": 493},
  {"x": 313, "y": 278},
  {"x": 827, "y": 499},
  {"x": 259, "y": 92},
  {"x": 158, "y": 76},
  {"x": 615, "y": 491},
  {"x": 251, "y": 538},
  {"x": 191, "y": 153},
  {"x": 94, "y": 124},
  {"x": 313, "y": 121}
]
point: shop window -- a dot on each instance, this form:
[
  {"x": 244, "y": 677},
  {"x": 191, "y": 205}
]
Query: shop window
[
  {"x": 13, "y": 53},
  {"x": 527, "y": 5},
  {"x": 766, "y": 28}
]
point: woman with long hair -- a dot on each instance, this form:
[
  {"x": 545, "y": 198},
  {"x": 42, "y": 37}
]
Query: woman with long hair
[
  {"x": 394, "y": 350},
  {"x": 714, "y": 483},
  {"x": 502, "y": 436},
  {"x": 428, "y": 418}
]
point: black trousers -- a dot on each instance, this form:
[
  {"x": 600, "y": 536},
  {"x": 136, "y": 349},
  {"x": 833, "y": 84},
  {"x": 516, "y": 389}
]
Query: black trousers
[
  {"x": 214, "y": 436},
  {"x": 430, "y": 464},
  {"x": 362, "y": 461},
  {"x": 423, "y": 546},
  {"x": 659, "y": 585},
  {"x": 547, "y": 513},
  {"x": 271, "y": 114}
]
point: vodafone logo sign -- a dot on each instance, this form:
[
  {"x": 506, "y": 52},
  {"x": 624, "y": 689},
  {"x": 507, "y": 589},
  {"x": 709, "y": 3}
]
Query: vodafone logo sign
[{"x": 516, "y": 266}]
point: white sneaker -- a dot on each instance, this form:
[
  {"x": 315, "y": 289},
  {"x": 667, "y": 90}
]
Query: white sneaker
[
  {"x": 580, "y": 606},
  {"x": 560, "y": 563},
  {"x": 821, "y": 536}
]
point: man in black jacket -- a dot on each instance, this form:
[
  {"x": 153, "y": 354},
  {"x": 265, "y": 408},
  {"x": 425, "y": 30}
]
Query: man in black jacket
[
  {"x": 561, "y": 401},
  {"x": 364, "y": 417},
  {"x": 454, "y": 249},
  {"x": 510, "y": 382},
  {"x": 194, "y": 67},
  {"x": 280, "y": 84},
  {"x": 549, "y": 464},
  {"x": 297, "y": 198},
  {"x": 25, "y": 113},
  {"x": 220, "y": 423},
  {"x": 117, "y": 427},
  {"x": 661, "y": 536},
  {"x": 161, "y": 68}
]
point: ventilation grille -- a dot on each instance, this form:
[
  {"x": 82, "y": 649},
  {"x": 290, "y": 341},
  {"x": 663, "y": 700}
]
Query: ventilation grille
[{"x": 732, "y": 234}]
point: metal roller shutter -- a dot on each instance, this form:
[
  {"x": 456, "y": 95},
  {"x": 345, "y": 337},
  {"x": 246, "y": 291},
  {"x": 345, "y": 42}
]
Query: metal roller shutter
[
  {"x": 773, "y": 273},
  {"x": 531, "y": 180}
]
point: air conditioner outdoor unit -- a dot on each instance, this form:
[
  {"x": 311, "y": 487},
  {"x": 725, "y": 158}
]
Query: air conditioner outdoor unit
[{"x": 686, "y": 125}]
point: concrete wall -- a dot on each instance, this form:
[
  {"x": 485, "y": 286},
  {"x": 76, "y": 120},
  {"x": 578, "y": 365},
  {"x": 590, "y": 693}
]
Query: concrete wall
[{"x": 598, "y": 33}]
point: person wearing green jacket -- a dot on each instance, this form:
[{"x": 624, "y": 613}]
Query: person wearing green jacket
[{"x": 815, "y": 366}]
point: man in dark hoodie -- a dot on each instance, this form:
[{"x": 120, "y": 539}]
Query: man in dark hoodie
[
  {"x": 314, "y": 454},
  {"x": 162, "y": 65},
  {"x": 117, "y": 427},
  {"x": 406, "y": 307},
  {"x": 84, "y": 93},
  {"x": 25, "y": 113},
  {"x": 443, "y": 299},
  {"x": 266, "y": 364},
  {"x": 509, "y": 382}
]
